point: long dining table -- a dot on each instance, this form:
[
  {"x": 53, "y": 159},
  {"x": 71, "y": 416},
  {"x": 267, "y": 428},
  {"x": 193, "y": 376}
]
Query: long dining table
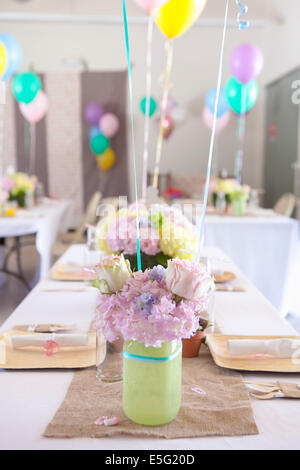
[{"x": 29, "y": 399}]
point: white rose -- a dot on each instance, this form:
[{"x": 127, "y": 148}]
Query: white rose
[{"x": 111, "y": 274}]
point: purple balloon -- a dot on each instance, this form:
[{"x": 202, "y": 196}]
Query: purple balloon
[
  {"x": 246, "y": 62},
  {"x": 93, "y": 113}
]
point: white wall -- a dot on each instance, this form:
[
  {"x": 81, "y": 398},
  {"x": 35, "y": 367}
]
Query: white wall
[{"x": 195, "y": 70}]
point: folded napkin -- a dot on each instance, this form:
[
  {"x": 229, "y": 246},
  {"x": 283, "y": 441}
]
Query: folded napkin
[
  {"x": 283, "y": 348},
  {"x": 63, "y": 340}
]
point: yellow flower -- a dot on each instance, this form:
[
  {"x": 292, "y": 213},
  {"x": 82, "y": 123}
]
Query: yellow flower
[
  {"x": 102, "y": 230},
  {"x": 176, "y": 242}
]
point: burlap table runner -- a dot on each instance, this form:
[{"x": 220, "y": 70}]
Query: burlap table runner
[{"x": 224, "y": 409}]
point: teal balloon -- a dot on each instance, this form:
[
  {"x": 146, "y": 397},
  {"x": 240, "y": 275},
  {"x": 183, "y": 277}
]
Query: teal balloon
[
  {"x": 153, "y": 106},
  {"x": 99, "y": 144},
  {"x": 241, "y": 98},
  {"x": 25, "y": 87}
]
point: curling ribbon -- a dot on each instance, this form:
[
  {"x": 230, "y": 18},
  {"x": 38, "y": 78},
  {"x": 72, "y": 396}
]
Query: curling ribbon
[
  {"x": 148, "y": 97},
  {"x": 138, "y": 244},
  {"x": 241, "y": 137},
  {"x": 32, "y": 152},
  {"x": 242, "y": 23},
  {"x": 213, "y": 135},
  {"x": 167, "y": 85}
]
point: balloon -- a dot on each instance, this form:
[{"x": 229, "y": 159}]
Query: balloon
[
  {"x": 150, "y": 4},
  {"x": 179, "y": 115},
  {"x": 93, "y": 113},
  {"x": 26, "y": 86},
  {"x": 109, "y": 125},
  {"x": 3, "y": 59},
  {"x": 177, "y": 16},
  {"x": 210, "y": 101},
  {"x": 99, "y": 144},
  {"x": 106, "y": 160},
  {"x": 246, "y": 62},
  {"x": 153, "y": 106},
  {"x": 14, "y": 55},
  {"x": 94, "y": 131},
  {"x": 222, "y": 122},
  {"x": 171, "y": 104},
  {"x": 168, "y": 126},
  {"x": 37, "y": 109},
  {"x": 241, "y": 98}
]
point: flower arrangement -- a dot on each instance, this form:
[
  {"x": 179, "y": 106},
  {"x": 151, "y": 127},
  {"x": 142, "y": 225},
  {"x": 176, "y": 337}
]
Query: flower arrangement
[
  {"x": 18, "y": 186},
  {"x": 153, "y": 307},
  {"x": 231, "y": 188},
  {"x": 164, "y": 234}
]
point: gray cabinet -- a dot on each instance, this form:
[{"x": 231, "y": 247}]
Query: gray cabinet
[{"x": 281, "y": 148}]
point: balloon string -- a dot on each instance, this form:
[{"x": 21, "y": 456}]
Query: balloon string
[
  {"x": 167, "y": 85},
  {"x": 213, "y": 135},
  {"x": 242, "y": 23},
  {"x": 2, "y": 116},
  {"x": 138, "y": 244},
  {"x": 32, "y": 130},
  {"x": 148, "y": 98}
]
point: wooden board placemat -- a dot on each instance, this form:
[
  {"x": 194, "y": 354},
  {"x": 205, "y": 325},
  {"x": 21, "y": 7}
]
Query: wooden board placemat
[
  {"x": 33, "y": 357},
  {"x": 225, "y": 277},
  {"x": 223, "y": 409},
  {"x": 218, "y": 347}
]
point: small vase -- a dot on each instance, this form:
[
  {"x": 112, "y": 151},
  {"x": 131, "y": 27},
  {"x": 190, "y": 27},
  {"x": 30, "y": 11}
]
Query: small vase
[
  {"x": 240, "y": 207},
  {"x": 191, "y": 346},
  {"x": 109, "y": 359},
  {"x": 152, "y": 382}
]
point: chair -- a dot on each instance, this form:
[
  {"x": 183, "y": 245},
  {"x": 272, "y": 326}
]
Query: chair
[
  {"x": 89, "y": 218},
  {"x": 285, "y": 205}
]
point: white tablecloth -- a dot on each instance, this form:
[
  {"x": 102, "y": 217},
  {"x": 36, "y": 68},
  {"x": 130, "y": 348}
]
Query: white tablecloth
[
  {"x": 264, "y": 248},
  {"x": 46, "y": 220},
  {"x": 29, "y": 399}
]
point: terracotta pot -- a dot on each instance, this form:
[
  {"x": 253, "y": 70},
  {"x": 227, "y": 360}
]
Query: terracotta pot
[{"x": 191, "y": 347}]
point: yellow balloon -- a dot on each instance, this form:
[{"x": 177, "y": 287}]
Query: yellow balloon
[
  {"x": 106, "y": 160},
  {"x": 3, "y": 59},
  {"x": 177, "y": 16}
]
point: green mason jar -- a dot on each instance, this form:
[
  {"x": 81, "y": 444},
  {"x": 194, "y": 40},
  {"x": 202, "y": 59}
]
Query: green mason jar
[{"x": 152, "y": 382}]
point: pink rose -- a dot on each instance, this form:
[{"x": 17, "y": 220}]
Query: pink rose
[{"x": 188, "y": 280}]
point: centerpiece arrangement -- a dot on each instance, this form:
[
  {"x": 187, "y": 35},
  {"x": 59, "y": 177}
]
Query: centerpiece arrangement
[
  {"x": 236, "y": 195},
  {"x": 20, "y": 188},
  {"x": 152, "y": 311},
  {"x": 165, "y": 233}
]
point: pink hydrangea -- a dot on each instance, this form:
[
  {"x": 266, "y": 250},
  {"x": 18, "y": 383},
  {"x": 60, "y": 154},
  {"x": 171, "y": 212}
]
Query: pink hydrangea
[
  {"x": 121, "y": 236},
  {"x": 8, "y": 183},
  {"x": 147, "y": 312}
]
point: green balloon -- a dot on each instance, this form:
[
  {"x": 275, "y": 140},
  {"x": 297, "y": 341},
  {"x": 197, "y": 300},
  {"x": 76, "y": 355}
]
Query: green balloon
[
  {"x": 153, "y": 106},
  {"x": 240, "y": 97},
  {"x": 99, "y": 144},
  {"x": 25, "y": 87}
]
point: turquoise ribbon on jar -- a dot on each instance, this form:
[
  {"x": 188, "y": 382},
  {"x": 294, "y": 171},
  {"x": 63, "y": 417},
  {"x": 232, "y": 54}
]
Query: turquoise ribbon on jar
[
  {"x": 138, "y": 244},
  {"x": 151, "y": 360},
  {"x": 244, "y": 10}
]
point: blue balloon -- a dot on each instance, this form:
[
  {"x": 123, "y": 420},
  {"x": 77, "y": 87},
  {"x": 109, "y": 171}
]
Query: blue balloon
[
  {"x": 94, "y": 131},
  {"x": 14, "y": 55},
  {"x": 211, "y": 101}
]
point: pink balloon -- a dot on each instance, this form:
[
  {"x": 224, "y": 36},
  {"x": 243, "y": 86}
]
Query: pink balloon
[
  {"x": 151, "y": 4},
  {"x": 109, "y": 125},
  {"x": 222, "y": 122},
  {"x": 37, "y": 109}
]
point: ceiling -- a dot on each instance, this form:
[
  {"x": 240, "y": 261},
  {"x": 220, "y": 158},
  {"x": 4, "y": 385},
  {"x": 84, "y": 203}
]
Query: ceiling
[{"x": 258, "y": 9}]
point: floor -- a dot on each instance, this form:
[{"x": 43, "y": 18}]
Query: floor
[{"x": 12, "y": 292}]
